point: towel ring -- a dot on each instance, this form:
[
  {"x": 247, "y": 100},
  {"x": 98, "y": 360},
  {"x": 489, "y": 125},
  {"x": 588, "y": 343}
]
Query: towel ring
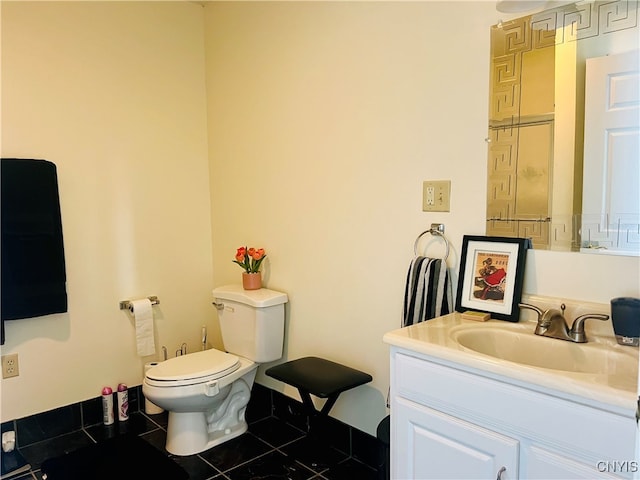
[{"x": 437, "y": 229}]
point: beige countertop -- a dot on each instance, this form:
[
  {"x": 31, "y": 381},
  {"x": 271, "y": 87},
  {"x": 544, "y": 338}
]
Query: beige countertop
[{"x": 615, "y": 385}]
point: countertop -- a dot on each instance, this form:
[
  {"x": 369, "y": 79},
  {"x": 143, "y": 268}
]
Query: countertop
[{"x": 436, "y": 338}]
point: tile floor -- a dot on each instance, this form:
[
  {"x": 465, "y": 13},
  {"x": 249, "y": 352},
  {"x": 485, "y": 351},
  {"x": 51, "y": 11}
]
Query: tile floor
[{"x": 272, "y": 448}]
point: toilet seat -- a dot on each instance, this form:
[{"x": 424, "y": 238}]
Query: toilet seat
[{"x": 192, "y": 369}]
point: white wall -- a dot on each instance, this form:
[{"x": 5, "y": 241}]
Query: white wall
[
  {"x": 323, "y": 121},
  {"x": 113, "y": 93}
]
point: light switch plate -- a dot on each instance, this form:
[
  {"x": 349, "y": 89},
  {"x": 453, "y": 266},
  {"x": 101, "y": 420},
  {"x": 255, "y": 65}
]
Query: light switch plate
[{"x": 436, "y": 196}]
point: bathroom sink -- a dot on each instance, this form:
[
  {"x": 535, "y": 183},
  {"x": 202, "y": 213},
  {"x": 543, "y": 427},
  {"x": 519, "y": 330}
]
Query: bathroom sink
[{"x": 525, "y": 348}]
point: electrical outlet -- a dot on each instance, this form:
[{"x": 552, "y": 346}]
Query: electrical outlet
[
  {"x": 430, "y": 196},
  {"x": 10, "y": 366},
  {"x": 436, "y": 196}
]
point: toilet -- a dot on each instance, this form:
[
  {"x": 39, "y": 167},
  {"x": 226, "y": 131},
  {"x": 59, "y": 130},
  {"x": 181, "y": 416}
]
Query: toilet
[{"x": 206, "y": 393}]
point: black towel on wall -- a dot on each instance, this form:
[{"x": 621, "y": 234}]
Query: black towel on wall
[{"x": 33, "y": 267}]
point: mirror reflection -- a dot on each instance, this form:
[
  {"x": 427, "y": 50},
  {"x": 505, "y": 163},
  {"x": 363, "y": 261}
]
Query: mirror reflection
[{"x": 561, "y": 170}]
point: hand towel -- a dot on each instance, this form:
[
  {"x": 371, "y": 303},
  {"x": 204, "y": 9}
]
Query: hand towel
[
  {"x": 33, "y": 263},
  {"x": 427, "y": 292}
]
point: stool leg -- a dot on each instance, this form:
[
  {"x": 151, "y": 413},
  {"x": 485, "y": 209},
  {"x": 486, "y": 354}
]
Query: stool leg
[
  {"x": 329, "y": 404},
  {"x": 307, "y": 402},
  {"x": 313, "y": 414}
]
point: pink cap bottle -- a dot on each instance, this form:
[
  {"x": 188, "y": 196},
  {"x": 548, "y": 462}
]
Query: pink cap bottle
[
  {"x": 107, "y": 406},
  {"x": 123, "y": 402}
]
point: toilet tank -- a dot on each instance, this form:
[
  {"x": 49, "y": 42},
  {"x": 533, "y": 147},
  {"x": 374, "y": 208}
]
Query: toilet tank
[{"x": 251, "y": 321}]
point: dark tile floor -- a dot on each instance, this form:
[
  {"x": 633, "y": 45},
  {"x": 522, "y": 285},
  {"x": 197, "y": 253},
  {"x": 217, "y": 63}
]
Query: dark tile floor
[{"x": 272, "y": 448}]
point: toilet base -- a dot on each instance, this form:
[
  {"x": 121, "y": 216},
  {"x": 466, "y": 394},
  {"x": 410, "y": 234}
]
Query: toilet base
[{"x": 187, "y": 434}]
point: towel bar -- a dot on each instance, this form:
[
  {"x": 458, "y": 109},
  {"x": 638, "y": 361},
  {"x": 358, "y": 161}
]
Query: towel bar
[
  {"x": 437, "y": 229},
  {"x": 126, "y": 304}
]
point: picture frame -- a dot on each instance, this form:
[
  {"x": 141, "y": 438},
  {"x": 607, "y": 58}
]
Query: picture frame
[{"x": 491, "y": 275}]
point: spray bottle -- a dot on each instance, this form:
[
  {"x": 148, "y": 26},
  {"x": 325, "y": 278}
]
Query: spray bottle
[
  {"x": 107, "y": 406},
  {"x": 123, "y": 402}
]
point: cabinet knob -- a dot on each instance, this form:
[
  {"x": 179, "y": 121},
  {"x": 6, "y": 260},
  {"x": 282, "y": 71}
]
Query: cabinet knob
[{"x": 500, "y": 472}]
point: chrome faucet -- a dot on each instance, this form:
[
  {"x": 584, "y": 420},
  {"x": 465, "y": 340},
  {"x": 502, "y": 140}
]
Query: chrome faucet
[{"x": 551, "y": 323}]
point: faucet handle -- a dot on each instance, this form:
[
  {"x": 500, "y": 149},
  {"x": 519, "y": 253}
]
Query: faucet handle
[
  {"x": 532, "y": 307},
  {"x": 577, "y": 329}
]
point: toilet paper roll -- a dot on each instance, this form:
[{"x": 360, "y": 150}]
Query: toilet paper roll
[
  {"x": 143, "y": 314},
  {"x": 149, "y": 407}
]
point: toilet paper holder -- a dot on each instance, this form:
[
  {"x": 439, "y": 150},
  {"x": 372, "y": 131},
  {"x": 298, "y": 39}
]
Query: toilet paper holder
[{"x": 126, "y": 304}]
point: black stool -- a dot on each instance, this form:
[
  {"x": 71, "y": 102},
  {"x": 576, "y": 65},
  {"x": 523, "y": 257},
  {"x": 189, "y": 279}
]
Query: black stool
[{"x": 322, "y": 378}]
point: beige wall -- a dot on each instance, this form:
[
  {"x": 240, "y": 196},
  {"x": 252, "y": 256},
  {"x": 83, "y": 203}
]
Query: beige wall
[
  {"x": 323, "y": 120},
  {"x": 113, "y": 93}
]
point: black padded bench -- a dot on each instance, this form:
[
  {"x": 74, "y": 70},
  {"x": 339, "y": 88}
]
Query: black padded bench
[
  {"x": 319, "y": 377},
  {"x": 324, "y": 379}
]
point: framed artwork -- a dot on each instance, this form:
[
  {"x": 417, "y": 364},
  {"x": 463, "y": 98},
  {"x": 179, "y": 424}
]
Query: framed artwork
[{"x": 491, "y": 275}]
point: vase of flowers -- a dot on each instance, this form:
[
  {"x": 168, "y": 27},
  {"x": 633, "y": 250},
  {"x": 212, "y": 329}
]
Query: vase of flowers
[{"x": 250, "y": 260}]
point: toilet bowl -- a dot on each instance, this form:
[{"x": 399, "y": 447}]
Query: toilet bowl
[{"x": 206, "y": 393}]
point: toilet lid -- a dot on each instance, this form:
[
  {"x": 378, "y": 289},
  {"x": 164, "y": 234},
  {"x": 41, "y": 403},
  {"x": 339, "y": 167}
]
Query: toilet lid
[{"x": 193, "y": 368}]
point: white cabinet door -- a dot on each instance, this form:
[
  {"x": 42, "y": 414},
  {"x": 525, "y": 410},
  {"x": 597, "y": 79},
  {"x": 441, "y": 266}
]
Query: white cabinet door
[
  {"x": 542, "y": 464},
  {"x": 428, "y": 444}
]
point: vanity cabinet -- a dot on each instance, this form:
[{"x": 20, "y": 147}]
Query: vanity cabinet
[{"x": 454, "y": 421}]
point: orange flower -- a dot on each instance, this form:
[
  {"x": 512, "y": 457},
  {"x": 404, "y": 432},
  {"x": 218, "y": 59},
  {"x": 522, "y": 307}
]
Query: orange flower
[
  {"x": 250, "y": 259},
  {"x": 240, "y": 253}
]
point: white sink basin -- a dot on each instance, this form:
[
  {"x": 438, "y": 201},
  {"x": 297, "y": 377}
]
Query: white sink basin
[{"x": 529, "y": 349}]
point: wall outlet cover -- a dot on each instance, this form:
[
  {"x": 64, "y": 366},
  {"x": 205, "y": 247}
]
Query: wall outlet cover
[
  {"x": 436, "y": 196},
  {"x": 10, "y": 365}
]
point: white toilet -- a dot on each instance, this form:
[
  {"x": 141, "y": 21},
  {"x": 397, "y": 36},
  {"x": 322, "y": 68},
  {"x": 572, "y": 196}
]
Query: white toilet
[{"x": 206, "y": 392}]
